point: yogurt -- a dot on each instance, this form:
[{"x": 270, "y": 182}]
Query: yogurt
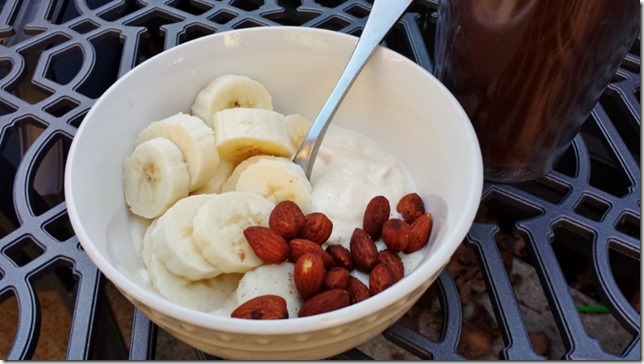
[{"x": 351, "y": 169}]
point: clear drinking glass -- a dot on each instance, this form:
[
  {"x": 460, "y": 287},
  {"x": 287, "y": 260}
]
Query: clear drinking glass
[{"x": 529, "y": 72}]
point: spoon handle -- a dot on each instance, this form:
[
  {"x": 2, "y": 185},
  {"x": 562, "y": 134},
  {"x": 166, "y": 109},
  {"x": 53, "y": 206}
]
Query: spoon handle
[{"x": 383, "y": 15}]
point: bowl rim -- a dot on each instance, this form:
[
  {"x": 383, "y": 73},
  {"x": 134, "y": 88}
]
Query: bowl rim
[{"x": 299, "y": 325}]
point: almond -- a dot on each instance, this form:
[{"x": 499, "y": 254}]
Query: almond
[
  {"x": 308, "y": 275},
  {"x": 266, "y": 307},
  {"x": 299, "y": 247},
  {"x": 419, "y": 232},
  {"x": 375, "y": 214},
  {"x": 268, "y": 245},
  {"x": 333, "y": 299},
  {"x": 410, "y": 207},
  {"x": 395, "y": 234},
  {"x": 341, "y": 256},
  {"x": 286, "y": 219},
  {"x": 358, "y": 291},
  {"x": 337, "y": 277},
  {"x": 317, "y": 227},
  {"x": 380, "y": 278},
  {"x": 393, "y": 261},
  {"x": 363, "y": 250}
]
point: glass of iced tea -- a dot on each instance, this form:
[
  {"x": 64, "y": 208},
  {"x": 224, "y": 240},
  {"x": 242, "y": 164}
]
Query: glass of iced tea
[{"x": 529, "y": 72}]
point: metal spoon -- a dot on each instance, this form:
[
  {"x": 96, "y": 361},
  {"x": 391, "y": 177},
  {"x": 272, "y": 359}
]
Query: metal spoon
[{"x": 383, "y": 15}]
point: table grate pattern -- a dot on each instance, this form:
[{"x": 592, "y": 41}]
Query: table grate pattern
[{"x": 58, "y": 56}]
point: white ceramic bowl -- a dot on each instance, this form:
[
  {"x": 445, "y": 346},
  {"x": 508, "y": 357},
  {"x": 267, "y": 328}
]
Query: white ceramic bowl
[{"x": 393, "y": 101}]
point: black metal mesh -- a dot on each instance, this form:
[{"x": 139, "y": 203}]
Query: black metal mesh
[{"x": 58, "y": 56}]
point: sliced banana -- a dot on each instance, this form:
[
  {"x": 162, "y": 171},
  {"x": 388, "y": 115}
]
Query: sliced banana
[
  {"x": 174, "y": 244},
  {"x": 218, "y": 229},
  {"x": 231, "y": 182},
  {"x": 155, "y": 176},
  {"x": 242, "y": 133},
  {"x": 195, "y": 139},
  {"x": 298, "y": 126},
  {"x": 204, "y": 295},
  {"x": 274, "y": 279},
  {"x": 230, "y": 91},
  {"x": 147, "y": 246},
  {"x": 216, "y": 182},
  {"x": 275, "y": 178}
]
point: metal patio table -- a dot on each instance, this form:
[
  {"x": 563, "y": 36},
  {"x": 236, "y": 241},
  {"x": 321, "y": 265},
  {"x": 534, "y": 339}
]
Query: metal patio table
[{"x": 58, "y": 56}]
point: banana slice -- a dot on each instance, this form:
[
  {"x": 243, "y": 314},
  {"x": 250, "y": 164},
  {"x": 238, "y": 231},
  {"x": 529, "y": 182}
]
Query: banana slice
[
  {"x": 174, "y": 244},
  {"x": 195, "y": 139},
  {"x": 275, "y": 178},
  {"x": 216, "y": 182},
  {"x": 147, "y": 246},
  {"x": 230, "y": 91},
  {"x": 231, "y": 182},
  {"x": 271, "y": 279},
  {"x": 242, "y": 133},
  {"x": 155, "y": 176},
  {"x": 204, "y": 295},
  {"x": 298, "y": 126},
  {"x": 218, "y": 229}
]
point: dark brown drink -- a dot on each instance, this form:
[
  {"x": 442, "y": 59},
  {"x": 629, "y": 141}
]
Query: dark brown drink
[{"x": 529, "y": 72}]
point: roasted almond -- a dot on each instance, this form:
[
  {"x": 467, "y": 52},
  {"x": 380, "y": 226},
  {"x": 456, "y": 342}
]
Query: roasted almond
[
  {"x": 286, "y": 219},
  {"x": 317, "y": 227},
  {"x": 268, "y": 245},
  {"x": 419, "y": 232},
  {"x": 410, "y": 207},
  {"x": 341, "y": 256},
  {"x": 308, "y": 274},
  {"x": 333, "y": 299},
  {"x": 375, "y": 214},
  {"x": 395, "y": 234},
  {"x": 358, "y": 291},
  {"x": 393, "y": 261},
  {"x": 266, "y": 307},
  {"x": 337, "y": 277},
  {"x": 299, "y": 247},
  {"x": 380, "y": 278},
  {"x": 363, "y": 250}
]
